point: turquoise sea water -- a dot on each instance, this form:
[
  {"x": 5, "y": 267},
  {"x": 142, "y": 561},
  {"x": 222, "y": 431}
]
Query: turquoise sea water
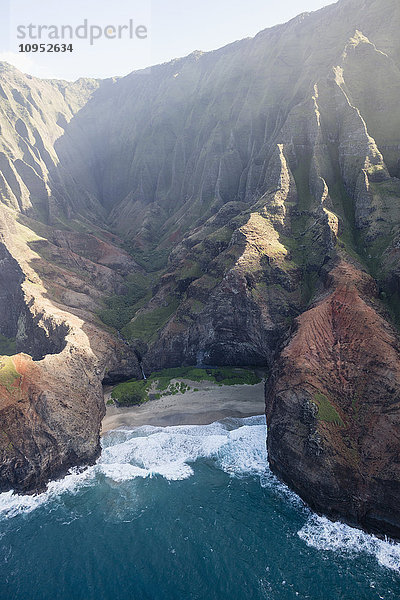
[{"x": 184, "y": 513}]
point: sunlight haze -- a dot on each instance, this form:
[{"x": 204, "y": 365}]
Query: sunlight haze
[{"x": 175, "y": 28}]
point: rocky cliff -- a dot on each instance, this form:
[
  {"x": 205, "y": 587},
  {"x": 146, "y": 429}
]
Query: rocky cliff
[
  {"x": 333, "y": 405},
  {"x": 238, "y": 207}
]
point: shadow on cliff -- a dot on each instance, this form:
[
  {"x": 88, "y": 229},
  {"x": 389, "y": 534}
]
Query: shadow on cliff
[{"x": 36, "y": 335}]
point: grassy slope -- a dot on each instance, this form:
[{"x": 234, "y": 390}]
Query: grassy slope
[
  {"x": 9, "y": 377},
  {"x": 7, "y": 346}
]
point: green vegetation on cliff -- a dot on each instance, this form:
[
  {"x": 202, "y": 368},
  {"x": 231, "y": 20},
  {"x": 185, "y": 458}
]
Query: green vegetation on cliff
[
  {"x": 220, "y": 375},
  {"x": 326, "y": 411},
  {"x": 147, "y": 324},
  {"x": 151, "y": 260},
  {"x": 9, "y": 376},
  {"x": 120, "y": 309},
  {"x": 304, "y": 246},
  {"x": 7, "y": 345}
]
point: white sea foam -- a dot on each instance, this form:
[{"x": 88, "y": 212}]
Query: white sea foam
[
  {"x": 237, "y": 446},
  {"x": 14, "y": 504},
  {"x": 119, "y": 472},
  {"x": 322, "y": 534},
  {"x": 244, "y": 451},
  {"x": 170, "y": 451}
]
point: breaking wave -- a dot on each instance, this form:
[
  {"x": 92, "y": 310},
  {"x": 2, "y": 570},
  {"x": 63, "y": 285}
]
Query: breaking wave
[
  {"x": 235, "y": 446},
  {"x": 324, "y": 535}
]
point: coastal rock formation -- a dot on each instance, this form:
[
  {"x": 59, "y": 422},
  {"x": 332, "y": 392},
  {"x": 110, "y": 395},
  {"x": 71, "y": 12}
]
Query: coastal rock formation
[
  {"x": 51, "y": 397},
  {"x": 333, "y": 406},
  {"x": 212, "y": 211}
]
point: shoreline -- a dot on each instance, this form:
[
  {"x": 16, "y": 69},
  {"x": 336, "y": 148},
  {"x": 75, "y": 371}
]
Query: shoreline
[{"x": 209, "y": 404}]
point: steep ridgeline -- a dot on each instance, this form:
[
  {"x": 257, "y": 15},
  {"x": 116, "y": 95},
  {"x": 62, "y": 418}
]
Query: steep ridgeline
[
  {"x": 239, "y": 207},
  {"x": 52, "y": 280}
]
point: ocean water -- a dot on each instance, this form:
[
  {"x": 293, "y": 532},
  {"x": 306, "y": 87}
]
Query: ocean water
[{"x": 184, "y": 513}]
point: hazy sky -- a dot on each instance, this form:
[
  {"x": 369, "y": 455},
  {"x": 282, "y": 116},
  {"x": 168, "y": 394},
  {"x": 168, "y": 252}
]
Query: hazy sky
[{"x": 175, "y": 28}]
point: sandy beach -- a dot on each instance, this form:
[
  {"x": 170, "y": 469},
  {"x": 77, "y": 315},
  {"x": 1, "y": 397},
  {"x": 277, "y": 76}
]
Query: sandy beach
[{"x": 211, "y": 403}]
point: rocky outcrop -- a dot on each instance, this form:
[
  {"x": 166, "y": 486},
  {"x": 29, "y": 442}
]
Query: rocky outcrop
[
  {"x": 51, "y": 396},
  {"x": 333, "y": 406},
  {"x": 237, "y": 286},
  {"x": 51, "y": 410}
]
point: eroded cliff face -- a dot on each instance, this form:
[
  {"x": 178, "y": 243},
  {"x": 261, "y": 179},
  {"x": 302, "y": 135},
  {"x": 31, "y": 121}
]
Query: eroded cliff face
[
  {"x": 51, "y": 396},
  {"x": 333, "y": 406},
  {"x": 188, "y": 215}
]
